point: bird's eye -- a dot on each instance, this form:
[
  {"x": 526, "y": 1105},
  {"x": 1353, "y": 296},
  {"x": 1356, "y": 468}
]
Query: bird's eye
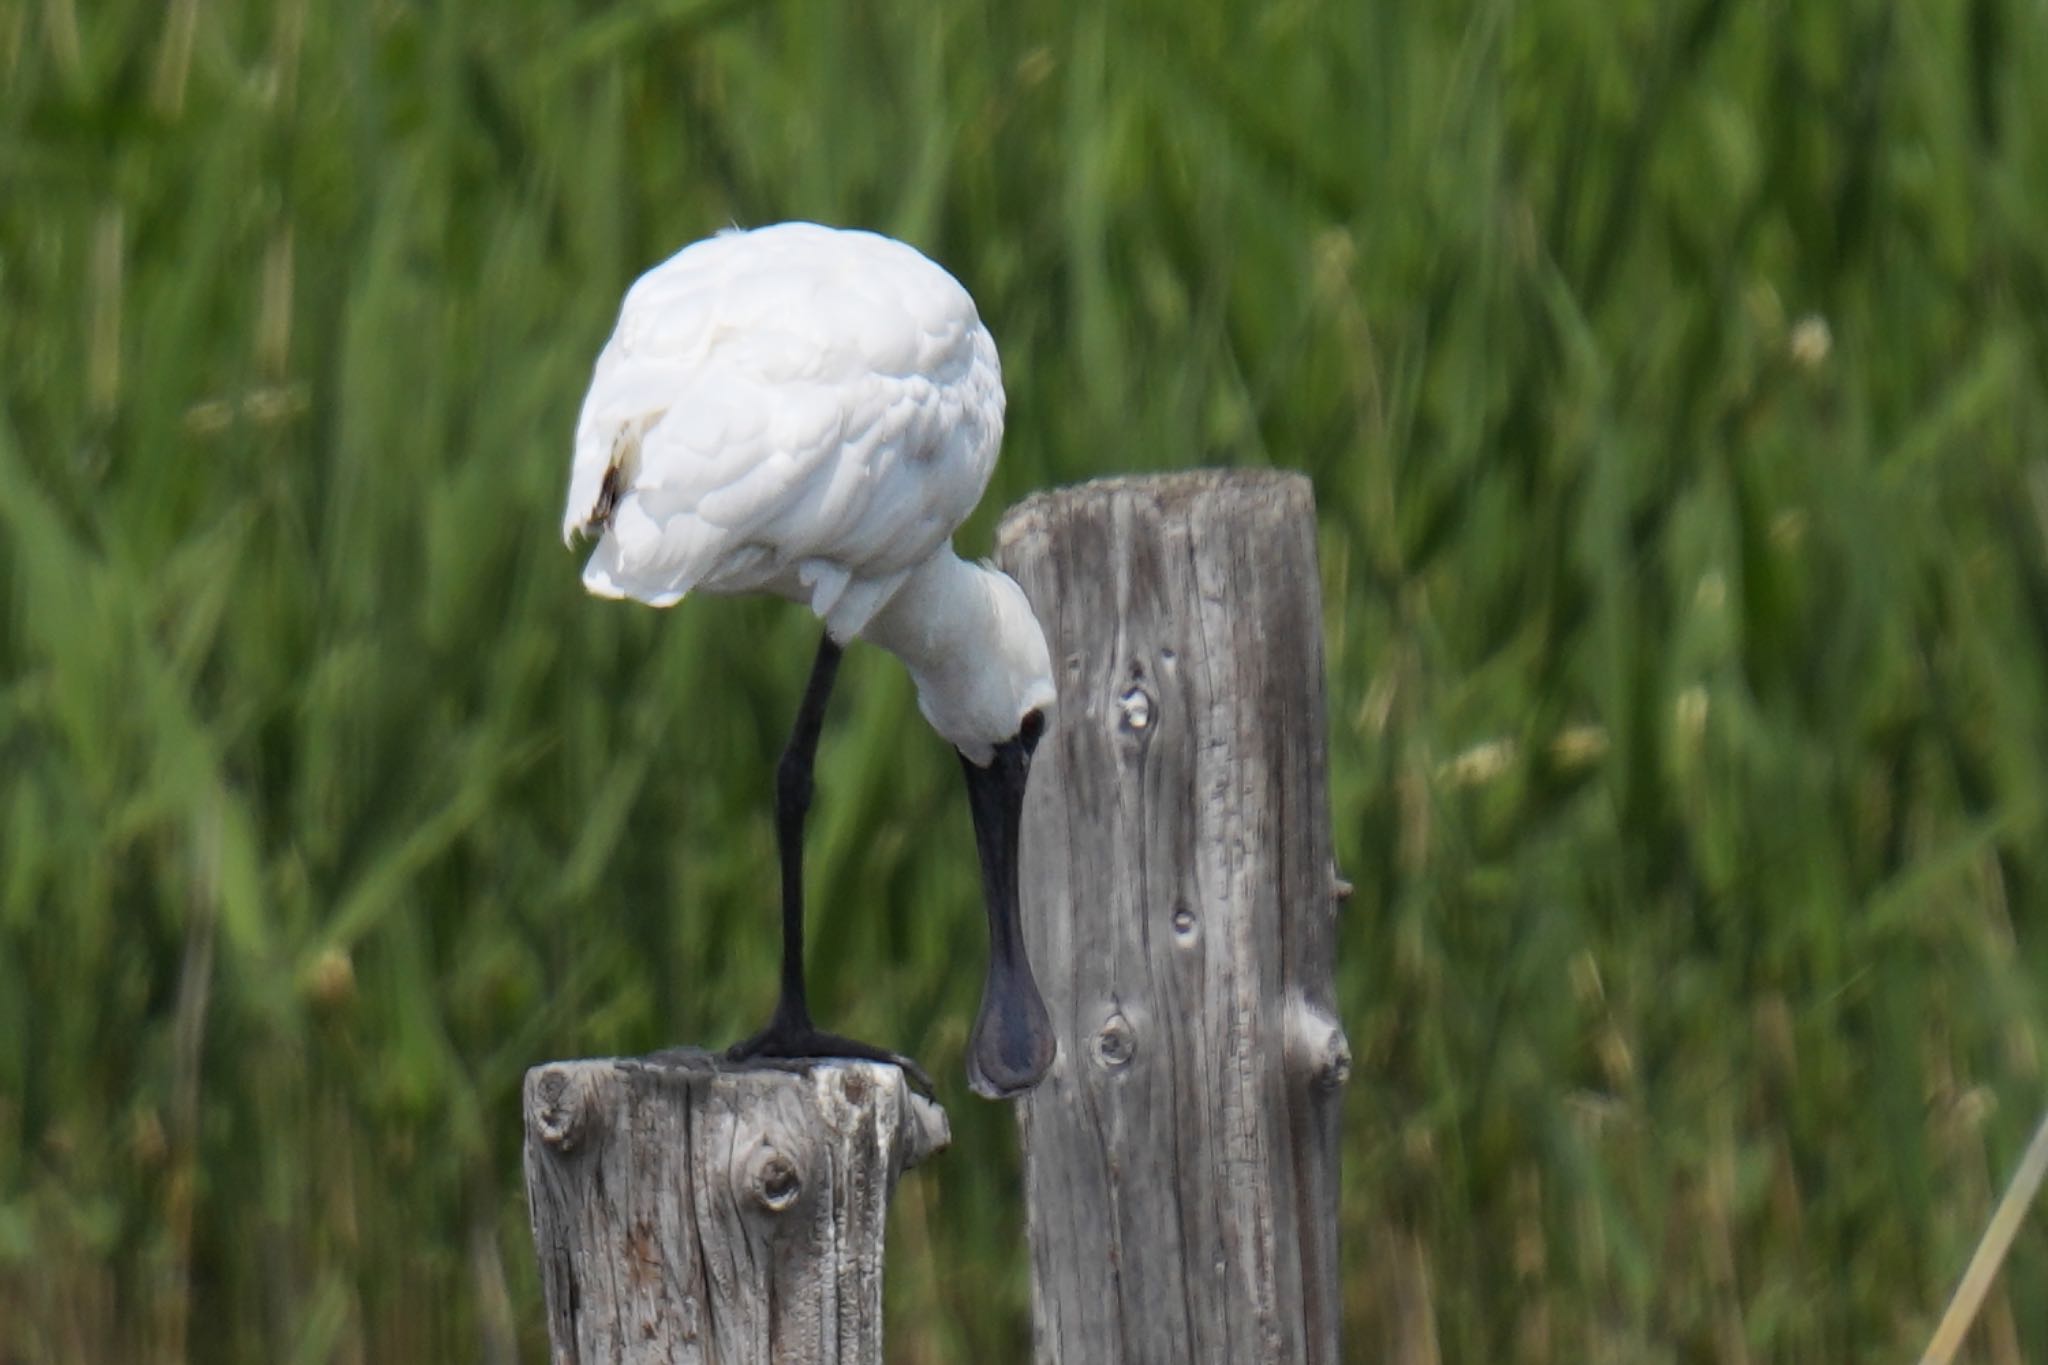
[{"x": 1032, "y": 726}]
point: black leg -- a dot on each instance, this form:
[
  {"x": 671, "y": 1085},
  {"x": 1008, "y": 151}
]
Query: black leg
[
  {"x": 793, "y": 788},
  {"x": 790, "y": 1034}
]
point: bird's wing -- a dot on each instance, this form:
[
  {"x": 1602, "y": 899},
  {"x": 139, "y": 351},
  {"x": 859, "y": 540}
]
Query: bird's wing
[{"x": 810, "y": 408}]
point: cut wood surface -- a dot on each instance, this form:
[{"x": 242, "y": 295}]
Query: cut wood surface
[
  {"x": 1180, "y": 902},
  {"x": 685, "y": 1210}
]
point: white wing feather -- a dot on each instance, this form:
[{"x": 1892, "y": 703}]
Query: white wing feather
[{"x": 796, "y": 409}]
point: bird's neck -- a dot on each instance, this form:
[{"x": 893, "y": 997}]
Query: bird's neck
[
  {"x": 937, "y": 619},
  {"x": 943, "y": 624}
]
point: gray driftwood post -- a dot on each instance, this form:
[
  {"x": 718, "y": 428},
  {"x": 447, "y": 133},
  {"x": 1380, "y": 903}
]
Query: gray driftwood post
[
  {"x": 684, "y": 1211},
  {"x": 1181, "y": 1160}
]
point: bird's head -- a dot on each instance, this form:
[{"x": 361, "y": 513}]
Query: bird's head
[
  {"x": 1012, "y": 1045},
  {"x": 984, "y": 695},
  {"x": 984, "y": 681}
]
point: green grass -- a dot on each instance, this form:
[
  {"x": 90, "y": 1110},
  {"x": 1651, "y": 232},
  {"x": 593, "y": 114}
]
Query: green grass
[{"x": 1688, "y": 672}]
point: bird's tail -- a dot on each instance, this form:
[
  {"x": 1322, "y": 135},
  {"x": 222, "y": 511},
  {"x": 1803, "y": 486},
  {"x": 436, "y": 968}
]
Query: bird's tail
[{"x": 652, "y": 558}]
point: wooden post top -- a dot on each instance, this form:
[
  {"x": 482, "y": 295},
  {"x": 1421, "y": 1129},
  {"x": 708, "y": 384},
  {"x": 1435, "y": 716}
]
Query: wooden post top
[{"x": 566, "y": 1101}]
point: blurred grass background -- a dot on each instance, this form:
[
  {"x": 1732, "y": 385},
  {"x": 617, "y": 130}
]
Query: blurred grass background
[{"x": 1675, "y": 382}]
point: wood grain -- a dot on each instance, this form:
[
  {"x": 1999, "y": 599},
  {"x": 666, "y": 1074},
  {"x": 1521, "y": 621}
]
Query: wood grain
[
  {"x": 1180, "y": 901},
  {"x": 685, "y": 1211}
]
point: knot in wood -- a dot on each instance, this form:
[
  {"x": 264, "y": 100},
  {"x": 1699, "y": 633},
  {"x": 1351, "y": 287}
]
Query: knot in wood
[
  {"x": 1317, "y": 1045},
  {"x": 1183, "y": 920},
  {"x": 1333, "y": 1069},
  {"x": 774, "y": 1180},
  {"x": 1134, "y": 710},
  {"x": 1115, "y": 1043},
  {"x": 856, "y": 1086},
  {"x": 561, "y": 1112}
]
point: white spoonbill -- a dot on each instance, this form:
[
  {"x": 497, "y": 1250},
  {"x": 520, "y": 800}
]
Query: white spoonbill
[{"x": 810, "y": 412}]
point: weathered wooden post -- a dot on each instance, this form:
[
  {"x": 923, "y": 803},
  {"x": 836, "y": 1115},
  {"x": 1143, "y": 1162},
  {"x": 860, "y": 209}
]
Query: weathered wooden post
[
  {"x": 689, "y": 1211},
  {"x": 1181, "y": 1160}
]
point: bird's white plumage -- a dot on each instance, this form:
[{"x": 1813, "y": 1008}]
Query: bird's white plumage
[
  {"x": 812, "y": 411},
  {"x": 797, "y": 409}
]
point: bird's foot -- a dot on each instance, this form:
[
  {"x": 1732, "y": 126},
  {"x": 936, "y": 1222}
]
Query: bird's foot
[{"x": 781, "y": 1042}]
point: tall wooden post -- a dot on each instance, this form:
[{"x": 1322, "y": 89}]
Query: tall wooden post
[
  {"x": 1181, "y": 1160},
  {"x": 685, "y": 1211}
]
